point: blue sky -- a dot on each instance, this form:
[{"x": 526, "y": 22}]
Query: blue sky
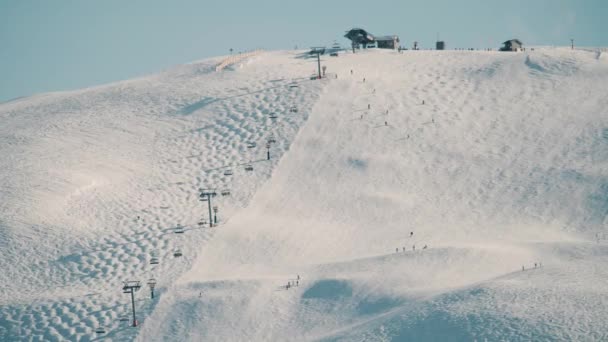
[{"x": 71, "y": 44}]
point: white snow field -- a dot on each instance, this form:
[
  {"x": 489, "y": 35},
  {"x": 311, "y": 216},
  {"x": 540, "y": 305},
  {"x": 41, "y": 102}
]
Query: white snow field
[{"x": 504, "y": 165}]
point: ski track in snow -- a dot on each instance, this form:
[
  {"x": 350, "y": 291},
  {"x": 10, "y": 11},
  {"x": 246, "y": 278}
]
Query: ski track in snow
[{"x": 502, "y": 166}]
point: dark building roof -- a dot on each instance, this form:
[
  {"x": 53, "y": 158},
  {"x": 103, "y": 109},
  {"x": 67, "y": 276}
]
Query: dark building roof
[
  {"x": 359, "y": 36},
  {"x": 511, "y": 41}
]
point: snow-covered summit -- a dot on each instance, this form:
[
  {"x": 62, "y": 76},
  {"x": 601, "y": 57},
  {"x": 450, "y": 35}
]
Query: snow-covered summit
[{"x": 401, "y": 201}]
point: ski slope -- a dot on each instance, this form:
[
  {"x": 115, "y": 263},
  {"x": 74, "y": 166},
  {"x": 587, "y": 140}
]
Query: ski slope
[{"x": 494, "y": 161}]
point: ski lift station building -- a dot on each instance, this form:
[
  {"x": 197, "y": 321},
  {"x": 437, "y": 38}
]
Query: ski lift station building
[
  {"x": 359, "y": 36},
  {"x": 387, "y": 42},
  {"x": 512, "y": 45}
]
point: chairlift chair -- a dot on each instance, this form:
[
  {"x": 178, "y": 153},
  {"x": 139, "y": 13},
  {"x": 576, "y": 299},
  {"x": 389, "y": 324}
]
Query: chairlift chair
[
  {"x": 293, "y": 109},
  {"x": 251, "y": 144},
  {"x": 154, "y": 261},
  {"x": 179, "y": 229},
  {"x": 273, "y": 116},
  {"x": 271, "y": 139},
  {"x": 249, "y": 167},
  {"x": 228, "y": 172},
  {"x": 124, "y": 319},
  {"x": 225, "y": 192},
  {"x": 100, "y": 330},
  {"x": 293, "y": 86},
  {"x": 202, "y": 222},
  {"x": 177, "y": 253}
]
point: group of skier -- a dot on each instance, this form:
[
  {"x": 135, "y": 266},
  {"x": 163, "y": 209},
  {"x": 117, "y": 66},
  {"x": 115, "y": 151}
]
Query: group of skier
[
  {"x": 292, "y": 283},
  {"x": 536, "y": 265},
  {"x": 413, "y": 245}
]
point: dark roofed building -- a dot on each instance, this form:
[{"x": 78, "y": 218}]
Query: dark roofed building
[
  {"x": 512, "y": 45},
  {"x": 388, "y": 42},
  {"x": 360, "y": 37}
]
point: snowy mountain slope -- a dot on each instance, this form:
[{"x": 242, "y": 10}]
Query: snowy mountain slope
[
  {"x": 503, "y": 166},
  {"x": 93, "y": 182}
]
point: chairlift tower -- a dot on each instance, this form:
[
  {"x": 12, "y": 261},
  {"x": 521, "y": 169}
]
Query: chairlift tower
[
  {"x": 130, "y": 287},
  {"x": 152, "y": 284},
  {"x": 318, "y": 51},
  {"x": 206, "y": 195},
  {"x": 268, "y": 150},
  {"x": 319, "y": 63}
]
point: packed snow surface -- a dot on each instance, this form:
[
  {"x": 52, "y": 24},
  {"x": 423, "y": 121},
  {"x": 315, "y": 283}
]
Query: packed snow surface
[{"x": 416, "y": 196}]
